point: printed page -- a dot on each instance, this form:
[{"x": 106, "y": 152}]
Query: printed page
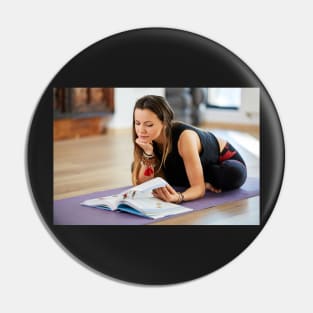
[
  {"x": 144, "y": 190},
  {"x": 110, "y": 202},
  {"x": 155, "y": 208}
]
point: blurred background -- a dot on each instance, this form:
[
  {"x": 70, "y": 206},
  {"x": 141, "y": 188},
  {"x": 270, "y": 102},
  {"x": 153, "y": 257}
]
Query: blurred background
[{"x": 80, "y": 112}]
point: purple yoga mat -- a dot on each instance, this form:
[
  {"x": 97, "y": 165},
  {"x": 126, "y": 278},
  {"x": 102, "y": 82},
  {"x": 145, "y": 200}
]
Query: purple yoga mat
[{"x": 70, "y": 212}]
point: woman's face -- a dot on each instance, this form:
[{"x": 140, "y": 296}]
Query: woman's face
[{"x": 148, "y": 127}]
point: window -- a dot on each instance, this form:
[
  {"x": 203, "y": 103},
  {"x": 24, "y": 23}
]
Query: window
[{"x": 224, "y": 98}]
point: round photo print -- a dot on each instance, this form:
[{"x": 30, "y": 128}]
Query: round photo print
[{"x": 155, "y": 156}]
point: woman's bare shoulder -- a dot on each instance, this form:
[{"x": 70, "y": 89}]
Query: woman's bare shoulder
[{"x": 189, "y": 139}]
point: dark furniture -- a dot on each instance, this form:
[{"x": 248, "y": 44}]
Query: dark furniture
[{"x": 80, "y": 112}]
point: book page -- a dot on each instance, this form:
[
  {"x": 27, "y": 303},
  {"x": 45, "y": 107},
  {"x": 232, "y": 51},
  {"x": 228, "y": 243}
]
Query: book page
[
  {"x": 154, "y": 207},
  {"x": 144, "y": 190},
  {"x": 110, "y": 202}
]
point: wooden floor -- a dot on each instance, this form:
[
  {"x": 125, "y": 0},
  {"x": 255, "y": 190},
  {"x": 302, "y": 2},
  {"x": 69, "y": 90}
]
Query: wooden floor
[{"x": 91, "y": 164}]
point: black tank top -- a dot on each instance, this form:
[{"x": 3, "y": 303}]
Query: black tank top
[{"x": 174, "y": 168}]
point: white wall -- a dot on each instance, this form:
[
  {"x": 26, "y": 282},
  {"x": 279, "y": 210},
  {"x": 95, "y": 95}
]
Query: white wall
[
  {"x": 124, "y": 101},
  {"x": 248, "y": 113}
]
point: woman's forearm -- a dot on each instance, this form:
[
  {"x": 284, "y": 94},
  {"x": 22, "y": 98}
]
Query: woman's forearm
[{"x": 194, "y": 192}]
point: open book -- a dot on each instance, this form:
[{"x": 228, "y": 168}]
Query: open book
[{"x": 139, "y": 201}]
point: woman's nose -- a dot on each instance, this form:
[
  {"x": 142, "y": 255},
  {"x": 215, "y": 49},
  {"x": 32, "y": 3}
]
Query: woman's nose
[{"x": 142, "y": 129}]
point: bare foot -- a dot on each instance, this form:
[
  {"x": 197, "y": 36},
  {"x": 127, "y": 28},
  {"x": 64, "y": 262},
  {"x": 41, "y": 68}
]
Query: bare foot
[{"x": 209, "y": 187}]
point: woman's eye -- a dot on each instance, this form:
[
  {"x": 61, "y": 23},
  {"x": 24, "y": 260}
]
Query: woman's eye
[{"x": 146, "y": 125}]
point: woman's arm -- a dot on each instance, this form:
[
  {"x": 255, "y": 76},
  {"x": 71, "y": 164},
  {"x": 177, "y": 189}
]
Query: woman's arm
[
  {"x": 145, "y": 173},
  {"x": 147, "y": 165},
  {"x": 189, "y": 146}
]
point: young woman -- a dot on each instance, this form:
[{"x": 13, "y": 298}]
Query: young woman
[{"x": 184, "y": 155}]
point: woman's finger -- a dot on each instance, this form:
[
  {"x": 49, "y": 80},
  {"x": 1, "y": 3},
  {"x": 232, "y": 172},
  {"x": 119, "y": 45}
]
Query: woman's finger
[
  {"x": 163, "y": 192},
  {"x": 167, "y": 193},
  {"x": 144, "y": 144},
  {"x": 157, "y": 193},
  {"x": 170, "y": 189}
]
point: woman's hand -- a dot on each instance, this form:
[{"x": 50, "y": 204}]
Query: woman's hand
[
  {"x": 166, "y": 193},
  {"x": 147, "y": 147}
]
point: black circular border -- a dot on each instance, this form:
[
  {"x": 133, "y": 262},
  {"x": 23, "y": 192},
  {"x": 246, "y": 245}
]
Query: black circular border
[{"x": 154, "y": 57}]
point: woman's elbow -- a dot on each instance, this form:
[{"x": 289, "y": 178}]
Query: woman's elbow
[
  {"x": 202, "y": 191},
  {"x": 202, "y": 194}
]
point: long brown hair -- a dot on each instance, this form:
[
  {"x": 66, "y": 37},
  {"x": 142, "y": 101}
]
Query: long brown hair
[{"x": 159, "y": 106}]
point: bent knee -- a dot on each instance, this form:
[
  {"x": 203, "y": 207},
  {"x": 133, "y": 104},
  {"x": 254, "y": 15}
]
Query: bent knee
[{"x": 236, "y": 174}]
